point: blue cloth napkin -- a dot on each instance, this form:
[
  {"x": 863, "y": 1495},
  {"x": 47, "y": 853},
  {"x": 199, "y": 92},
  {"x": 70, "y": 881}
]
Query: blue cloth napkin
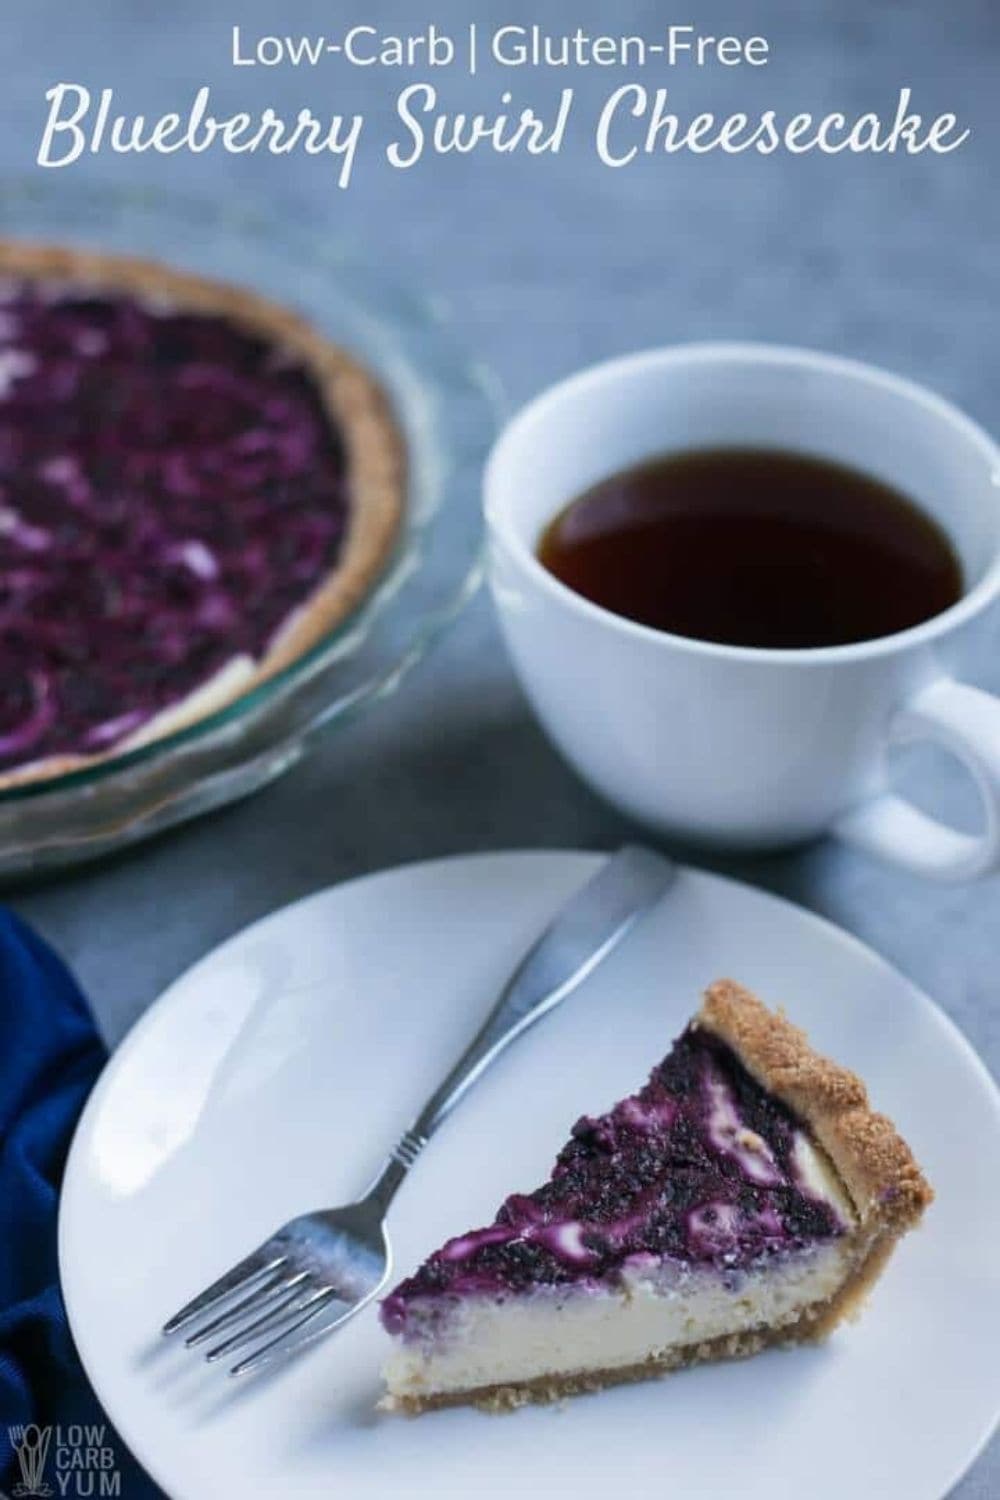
[{"x": 50, "y": 1056}]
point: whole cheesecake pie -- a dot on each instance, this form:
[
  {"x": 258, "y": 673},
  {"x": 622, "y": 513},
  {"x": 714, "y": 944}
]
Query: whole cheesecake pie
[
  {"x": 196, "y": 486},
  {"x": 748, "y": 1195}
]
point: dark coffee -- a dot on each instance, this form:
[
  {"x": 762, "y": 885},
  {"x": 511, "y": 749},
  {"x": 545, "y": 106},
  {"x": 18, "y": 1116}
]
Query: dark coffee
[{"x": 754, "y": 548}]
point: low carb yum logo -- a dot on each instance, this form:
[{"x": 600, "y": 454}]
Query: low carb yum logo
[
  {"x": 31, "y": 1445},
  {"x": 73, "y": 1461}
]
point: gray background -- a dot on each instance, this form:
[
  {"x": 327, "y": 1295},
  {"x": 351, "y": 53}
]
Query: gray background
[{"x": 549, "y": 263}]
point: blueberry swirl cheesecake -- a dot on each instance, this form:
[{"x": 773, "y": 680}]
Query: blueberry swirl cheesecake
[
  {"x": 746, "y": 1196},
  {"x": 195, "y": 488}
]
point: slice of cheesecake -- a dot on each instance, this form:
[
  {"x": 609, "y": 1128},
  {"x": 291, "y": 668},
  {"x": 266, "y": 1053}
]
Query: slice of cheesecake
[{"x": 746, "y": 1196}]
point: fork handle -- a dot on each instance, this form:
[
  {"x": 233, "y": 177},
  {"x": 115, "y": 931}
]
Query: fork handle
[
  {"x": 584, "y": 932},
  {"x": 398, "y": 1163}
]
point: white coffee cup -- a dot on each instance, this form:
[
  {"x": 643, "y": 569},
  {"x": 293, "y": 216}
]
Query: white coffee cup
[{"x": 731, "y": 746}]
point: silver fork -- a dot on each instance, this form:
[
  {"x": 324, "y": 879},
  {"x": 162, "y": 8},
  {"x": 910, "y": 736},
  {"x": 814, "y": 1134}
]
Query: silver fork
[{"x": 323, "y": 1268}]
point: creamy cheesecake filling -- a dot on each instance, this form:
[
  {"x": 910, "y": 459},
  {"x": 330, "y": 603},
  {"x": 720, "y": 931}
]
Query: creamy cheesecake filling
[{"x": 475, "y": 1343}]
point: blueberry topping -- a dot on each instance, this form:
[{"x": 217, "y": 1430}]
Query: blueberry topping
[
  {"x": 172, "y": 488},
  {"x": 699, "y": 1166}
]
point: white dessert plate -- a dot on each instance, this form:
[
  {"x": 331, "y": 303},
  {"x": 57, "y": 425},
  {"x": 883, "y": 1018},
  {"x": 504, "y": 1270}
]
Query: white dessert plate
[{"x": 272, "y": 1076}]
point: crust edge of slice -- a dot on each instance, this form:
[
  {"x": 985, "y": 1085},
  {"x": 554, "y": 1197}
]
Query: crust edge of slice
[{"x": 889, "y": 1191}]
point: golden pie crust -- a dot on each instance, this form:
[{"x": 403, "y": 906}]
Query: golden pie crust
[
  {"x": 354, "y": 401},
  {"x": 876, "y": 1166},
  {"x": 871, "y": 1158}
]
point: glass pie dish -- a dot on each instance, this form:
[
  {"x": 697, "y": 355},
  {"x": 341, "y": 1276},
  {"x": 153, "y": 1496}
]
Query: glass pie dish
[{"x": 446, "y": 405}]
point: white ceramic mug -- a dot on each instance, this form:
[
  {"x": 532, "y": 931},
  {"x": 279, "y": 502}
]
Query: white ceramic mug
[{"x": 732, "y": 746}]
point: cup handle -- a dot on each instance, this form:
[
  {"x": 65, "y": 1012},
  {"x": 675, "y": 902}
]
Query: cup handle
[{"x": 965, "y": 721}]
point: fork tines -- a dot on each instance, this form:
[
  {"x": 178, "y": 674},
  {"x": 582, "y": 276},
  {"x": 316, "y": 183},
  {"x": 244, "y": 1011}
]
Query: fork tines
[{"x": 277, "y": 1297}]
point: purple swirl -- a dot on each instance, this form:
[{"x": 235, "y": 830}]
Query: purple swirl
[{"x": 171, "y": 489}]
